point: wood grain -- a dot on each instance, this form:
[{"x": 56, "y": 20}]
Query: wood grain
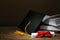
[{"x": 8, "y": 33}]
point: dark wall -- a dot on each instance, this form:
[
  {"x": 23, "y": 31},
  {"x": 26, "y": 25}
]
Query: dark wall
[{"x": 12, "y": 12}]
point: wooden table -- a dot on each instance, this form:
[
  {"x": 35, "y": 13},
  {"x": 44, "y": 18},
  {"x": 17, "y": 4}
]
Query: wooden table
[{"x": 8, "y": 33}]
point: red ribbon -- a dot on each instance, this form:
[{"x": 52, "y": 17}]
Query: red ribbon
[{"x": 41, "y": 34}]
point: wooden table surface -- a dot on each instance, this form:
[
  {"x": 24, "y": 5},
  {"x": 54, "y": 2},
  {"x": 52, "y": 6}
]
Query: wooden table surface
[{"x": 8, "y": 33}]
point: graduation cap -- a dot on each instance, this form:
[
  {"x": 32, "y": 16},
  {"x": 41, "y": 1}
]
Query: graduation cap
[{"x": 31, "y": 22}]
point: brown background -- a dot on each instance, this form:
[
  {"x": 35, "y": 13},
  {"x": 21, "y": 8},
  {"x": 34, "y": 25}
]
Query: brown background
[{"x": 12, "y": 12}]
